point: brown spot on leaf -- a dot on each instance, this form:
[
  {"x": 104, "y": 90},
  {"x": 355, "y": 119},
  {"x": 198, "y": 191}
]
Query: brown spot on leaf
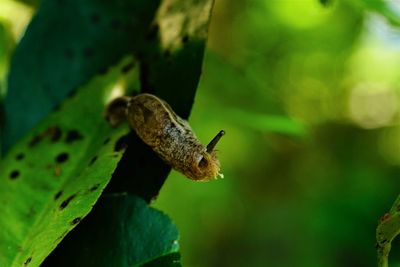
[
  {"x": 35, "y": 140},
  {"x": 57, "y": 170},
  {"x": 53, "y": 132},
  {"x": 385, "y": 217}
]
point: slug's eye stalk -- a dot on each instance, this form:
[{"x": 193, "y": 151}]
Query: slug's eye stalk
[{"x": 214, "y": 141}]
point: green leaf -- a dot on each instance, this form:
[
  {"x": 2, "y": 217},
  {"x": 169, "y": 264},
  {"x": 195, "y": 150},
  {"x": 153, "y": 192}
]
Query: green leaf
[
  {"x": 387, "y": 230},
  {"x": 267, "y": 123},
  {"x": 66, "y": 43},
  {"x": 6, "y": 47},
  {"x": 51, "y": 179},
  {"x": 130, "y": 234}
]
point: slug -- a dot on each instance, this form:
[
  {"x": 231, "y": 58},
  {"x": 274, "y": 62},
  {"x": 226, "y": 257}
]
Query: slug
[{"x": 170, "y": 136}]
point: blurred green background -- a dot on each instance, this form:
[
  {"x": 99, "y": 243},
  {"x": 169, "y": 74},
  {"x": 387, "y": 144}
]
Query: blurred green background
[
  {"x": 308, "y": 94},
  {"x": 309, "y": 97}
]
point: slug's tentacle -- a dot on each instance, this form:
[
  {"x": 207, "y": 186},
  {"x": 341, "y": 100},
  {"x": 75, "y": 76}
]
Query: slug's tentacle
[
  {"x": 214, "y": 141},
  {"x": 116, "y": 110}
]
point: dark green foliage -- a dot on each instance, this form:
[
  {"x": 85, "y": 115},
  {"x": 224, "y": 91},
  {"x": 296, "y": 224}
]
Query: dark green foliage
[
  {"x": 56, "y": 173},
  {"x": 120, "y": 231}
]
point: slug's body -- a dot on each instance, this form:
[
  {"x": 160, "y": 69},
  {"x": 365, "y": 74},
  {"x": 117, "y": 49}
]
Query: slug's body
[{"x": 167, "y": 134}]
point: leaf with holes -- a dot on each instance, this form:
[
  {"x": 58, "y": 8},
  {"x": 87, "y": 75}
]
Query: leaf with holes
[
  {"x": 148, "y": 236},
  {"x": 51, "y": 179},
  {"x": 387, "y": 230},
  {"x": 65, "y": 44}
]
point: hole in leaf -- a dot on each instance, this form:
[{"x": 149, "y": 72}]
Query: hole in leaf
[
  {"x": 121, "y": 144},
  {"x": 106, "y": 141},
  {"x": 127, "y": 67},
  {"x": 65, "y": 203},
  {"x": 58, "y": 195},
  {"x": 93, "y": 160},
  {"x": 94, "y": 188},
  {"x": 20, "y": 156},
  {"x": 28, "y": 260},
  {"x": 75, "y": 221},
  {"x": 14, "y": 174},
  {"x": 73, "y": 135},
  {"x": 62, "y": 157}
]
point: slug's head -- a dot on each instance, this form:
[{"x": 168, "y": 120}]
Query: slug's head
[{"x": 207, "y": 165}]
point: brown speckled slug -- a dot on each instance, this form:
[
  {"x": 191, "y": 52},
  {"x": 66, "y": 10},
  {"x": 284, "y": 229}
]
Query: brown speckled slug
[{"x": 167, "y": 134}]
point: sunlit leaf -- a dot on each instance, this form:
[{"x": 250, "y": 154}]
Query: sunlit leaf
[
  {"x": 51, "y": 179},
  {"x": 6, "y": 46}
]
